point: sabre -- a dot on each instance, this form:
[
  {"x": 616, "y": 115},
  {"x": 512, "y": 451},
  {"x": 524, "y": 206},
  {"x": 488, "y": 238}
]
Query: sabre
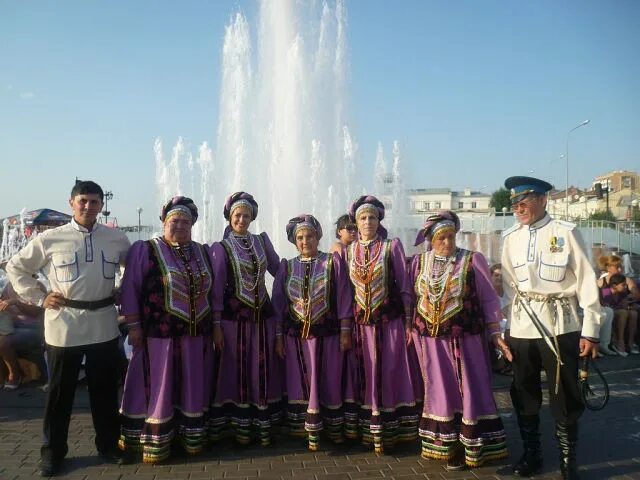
[{"x": 542, "y": 330}]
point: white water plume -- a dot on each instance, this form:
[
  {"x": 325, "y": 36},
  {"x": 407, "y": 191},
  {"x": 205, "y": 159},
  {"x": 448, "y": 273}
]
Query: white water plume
[{"x": 283, "y": 132}]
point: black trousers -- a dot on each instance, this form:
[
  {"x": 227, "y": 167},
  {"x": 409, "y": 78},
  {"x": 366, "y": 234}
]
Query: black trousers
[
  {"x": 102, "y": 369},
  {"x": 530, "y": 356}
]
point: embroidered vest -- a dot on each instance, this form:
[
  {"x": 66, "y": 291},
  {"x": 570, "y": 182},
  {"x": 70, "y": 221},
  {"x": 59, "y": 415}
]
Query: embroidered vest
[
  {"x": 371, "y": 282},
  {"x": 176, "y": 298},
  {"x": 458, "y": 310},
  {"x": 249, "y": 266},
  {"x": 308, "y": 288}
]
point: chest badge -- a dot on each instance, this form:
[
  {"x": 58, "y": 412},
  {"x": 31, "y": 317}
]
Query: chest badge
[{"x": 556, "y": 244}]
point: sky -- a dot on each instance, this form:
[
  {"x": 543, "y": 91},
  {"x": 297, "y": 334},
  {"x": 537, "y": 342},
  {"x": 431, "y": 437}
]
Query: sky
[{"x": 473, "y": 91}]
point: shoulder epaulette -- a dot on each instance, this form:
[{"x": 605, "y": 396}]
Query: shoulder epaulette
[
  {"x": 511, "y": 229},
  {"x": 565, "y": 224}
]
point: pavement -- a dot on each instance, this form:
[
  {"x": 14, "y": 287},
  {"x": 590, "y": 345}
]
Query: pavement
[{"x": 609, "y": 446}]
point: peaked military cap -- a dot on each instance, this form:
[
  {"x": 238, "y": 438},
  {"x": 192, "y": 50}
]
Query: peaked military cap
[{"x": 520, "y": 187}]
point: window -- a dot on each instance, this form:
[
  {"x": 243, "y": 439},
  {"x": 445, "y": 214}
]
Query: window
[
  {"x": 474, "y": 204},
  {"x": 436, "y": 205},
  {"x": 626, "y": 182},
  {"x": 460, "y": 204}
]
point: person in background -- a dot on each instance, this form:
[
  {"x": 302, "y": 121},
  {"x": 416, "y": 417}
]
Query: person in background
[
  {"x": 499, "y": 364},
  {"x": 21, "y": 334},
  {"x": 625, "y": 322},
  {"x": 616, "y": 296},
  {"x": 346, "y": 233},
  {"x": 80, "y": 260}
]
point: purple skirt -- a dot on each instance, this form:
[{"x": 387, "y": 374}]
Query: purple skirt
[
  {"x": 380, "y": 396},
  {"x": 249, "y": 381},
  {"x": 167, "y": 392},
  {"x": 458, "y": 399},
  {"x": 314, "y": 385}
]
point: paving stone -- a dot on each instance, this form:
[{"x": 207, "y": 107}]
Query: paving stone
[
  {"x": 367, "y": 474},
  {"x": 334, "y": 476}
]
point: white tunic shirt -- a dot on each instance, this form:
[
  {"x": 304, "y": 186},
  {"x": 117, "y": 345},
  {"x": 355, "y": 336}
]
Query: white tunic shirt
[
  {"x": 79, "y": 264},
  {"x": 547, "y": 258}
]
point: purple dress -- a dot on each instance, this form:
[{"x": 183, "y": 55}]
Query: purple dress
[
  {"x": 451, "y": 343},
  {"x": 248, "y": 377},
  {"x": 313, "y": 301},
  {"x": 167, "y": 389},
  {"x": 381, "y": 395}
]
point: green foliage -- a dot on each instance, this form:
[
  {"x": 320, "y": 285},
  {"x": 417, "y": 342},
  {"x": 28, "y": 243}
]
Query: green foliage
[
  {"x": 500, "y": 198},
  {"x": 603, "y": 215}
]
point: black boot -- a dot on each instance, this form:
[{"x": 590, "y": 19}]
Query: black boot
[
  {"x": 567, "y": 436},
  {"x": 531, "y": 461}
]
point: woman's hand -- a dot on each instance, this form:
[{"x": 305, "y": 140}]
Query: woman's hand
[
  {"x": 500, "y": 344},
  {"x": 135, "y": 336},
  {"x": 218, "y": 337},
  {"x": 345, "y": 340},
  {"x": 408, "y": 333},
  {"x": 4, "y": 304},
  {"x": 280, "y": 346}
]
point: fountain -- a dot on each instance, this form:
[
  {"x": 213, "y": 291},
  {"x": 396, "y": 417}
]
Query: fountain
[
  {"x": 13, "y": 238},
  {"x": 283, "y": 130}
]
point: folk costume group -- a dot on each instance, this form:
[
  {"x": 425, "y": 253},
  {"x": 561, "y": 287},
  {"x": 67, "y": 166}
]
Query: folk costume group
[{"x": 361, "y": 343}]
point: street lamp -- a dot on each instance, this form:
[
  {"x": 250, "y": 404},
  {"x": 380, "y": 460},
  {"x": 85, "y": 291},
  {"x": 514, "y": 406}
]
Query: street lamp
[
  {"x": 107, "y": 196},
  {"x": 567, "y": 158},
  {"x": 139, "y": 210}
]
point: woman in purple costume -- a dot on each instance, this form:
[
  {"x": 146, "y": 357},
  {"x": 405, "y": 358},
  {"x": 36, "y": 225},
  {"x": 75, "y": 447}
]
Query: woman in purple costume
[
  {"x": 166, "y": 301},
  {"x": 248, "y": 379},
  {"x": 312, "y": 299},
  {"x": 456, "y": 309},
  {"x": 380, "y": 394}
]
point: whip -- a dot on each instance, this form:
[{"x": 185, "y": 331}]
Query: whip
[{"x": 595, "y": 393}]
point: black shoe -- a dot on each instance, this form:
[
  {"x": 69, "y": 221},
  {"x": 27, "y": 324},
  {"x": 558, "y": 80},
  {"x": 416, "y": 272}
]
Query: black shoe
[
  {"x": 49, "y": 467},
  {"x": 531, "y": 461},
  {"x": 456, "y": 462},
  {"x": 529, "y": 464},
  {"x": 111, "y": 456}
]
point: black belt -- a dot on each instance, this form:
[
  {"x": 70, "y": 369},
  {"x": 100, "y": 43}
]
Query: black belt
[{"x": 91, "y": 305}]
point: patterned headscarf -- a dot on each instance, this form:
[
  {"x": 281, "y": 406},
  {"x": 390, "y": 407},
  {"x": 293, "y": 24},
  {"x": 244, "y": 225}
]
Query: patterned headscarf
[
  {"x": 239, "y": 199},
  {"x": 371, "y": 203},
  {"x": 179, "y": 205},
  {"x": 302, "y": 221},
  {"x": 435, "y": 222}
]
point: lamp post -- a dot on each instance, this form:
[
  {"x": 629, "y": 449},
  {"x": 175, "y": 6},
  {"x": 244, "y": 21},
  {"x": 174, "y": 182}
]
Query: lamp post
[
  {"x": 504, "y": 215},
  {"x": 567, "y": 158},
  {"x": 107, "y": 196},
  {"x": 139, "y": 210}
]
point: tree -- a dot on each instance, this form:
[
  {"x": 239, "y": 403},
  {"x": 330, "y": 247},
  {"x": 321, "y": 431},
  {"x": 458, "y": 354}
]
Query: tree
[
  {"x": 603, "y": 215},
  {"x": 500, "y": 198}
]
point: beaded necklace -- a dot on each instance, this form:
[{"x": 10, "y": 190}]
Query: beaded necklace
[
  {"x": 184, "y": 254},
  {"x": 438, "y": 280},
  {"x": 245, "y": 271},
  {"x": 363, "y": 270},
  {"x": 308, "y": 265}
]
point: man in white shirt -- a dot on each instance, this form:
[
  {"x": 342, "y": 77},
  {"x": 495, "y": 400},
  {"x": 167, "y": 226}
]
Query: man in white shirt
[
  {"x": 546, "y": 274},
  {"x": 80, "y": 260}
]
